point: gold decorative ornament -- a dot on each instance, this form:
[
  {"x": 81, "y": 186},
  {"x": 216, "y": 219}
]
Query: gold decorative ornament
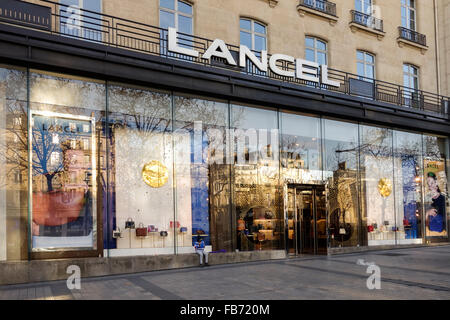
[
  {"x": 155, "y": 174},
  {"x": 385, "y": 187}
]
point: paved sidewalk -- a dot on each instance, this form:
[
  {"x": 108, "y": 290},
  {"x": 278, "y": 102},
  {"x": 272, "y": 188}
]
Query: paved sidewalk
[{"x": 419, "y": 273}]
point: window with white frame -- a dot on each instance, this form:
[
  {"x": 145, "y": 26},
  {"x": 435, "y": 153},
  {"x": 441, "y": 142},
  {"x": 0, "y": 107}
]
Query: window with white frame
[
  {"x": 176, "y": 14},
  {"x": 253, "y": 34},
  {"x": 409, "y": 14},
  {"x": 74, "y": 21},
  {"x": 179, "y": 15},
  {"x": 316, "y": 50},
  {"x": 365, "y": 65},
  {"x": 411, "y": 82},
  {"x": 364, "y": 6},
  {"x": 411, "y": 76}
]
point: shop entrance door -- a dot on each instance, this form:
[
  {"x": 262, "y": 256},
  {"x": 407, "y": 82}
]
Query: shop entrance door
[{"x": 306, "y": 216}]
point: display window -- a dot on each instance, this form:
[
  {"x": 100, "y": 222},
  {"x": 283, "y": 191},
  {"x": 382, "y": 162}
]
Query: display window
[
  {"x": 202, "y": 173},
  {"x": 342, "y": 173},
  {"x": 408, "y": 170},
  {"x": 377, "y": 179},
  {"x": 13, "y": 164},
  {"x": 68, "y": 184},
  {"x": 257, "y": 193},
  {"x": 98, "y": 168},
  {"x": 141, "y": 215},
  {"x": 436, "y": 187}
]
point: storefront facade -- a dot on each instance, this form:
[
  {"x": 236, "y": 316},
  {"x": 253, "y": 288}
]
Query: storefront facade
[{"x": 100, "y": 160}]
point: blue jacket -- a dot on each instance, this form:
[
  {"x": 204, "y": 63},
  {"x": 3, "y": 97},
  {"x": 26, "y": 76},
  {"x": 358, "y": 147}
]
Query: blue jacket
[{"x": 200, "y": 245}]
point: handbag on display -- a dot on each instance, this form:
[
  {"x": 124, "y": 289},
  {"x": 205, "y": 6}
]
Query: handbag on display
[
  {"x": 343, "y": 228},
  {"x": 129, "y": 224},
  {"x": 261, "y": 236},
  {"x": 151, "y": 228},
  {"x": 183, "y": 229},
  {"x": 117, "y": 233},
  {"x": 141, "y": 231},
  {"x": 174, "y": 223},
  {"x": 241, "y": 225},
  {"x": 163, "y": 233},
  {"x": 370, "y": 228},
  {"x": 268, "y": 215}
]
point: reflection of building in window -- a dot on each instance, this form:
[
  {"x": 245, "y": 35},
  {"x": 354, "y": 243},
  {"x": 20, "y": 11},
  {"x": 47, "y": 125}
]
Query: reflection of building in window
[
  {"x": 55, "y": 158},
  {"x": 86, "y": 144},
  {"x": 17, "y": 176},
  {"x": 73, "y": 144},
  {"x": 17, "y": 121},
  {"x": 55, "y": 139}
]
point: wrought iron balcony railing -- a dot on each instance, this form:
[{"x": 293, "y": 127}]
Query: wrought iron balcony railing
[
  {"x": 413, "y": 36},
  {"x": 367, "y": 20},
  {"x": 140, "y": 37},
  {"x": 320, "y": 5}
]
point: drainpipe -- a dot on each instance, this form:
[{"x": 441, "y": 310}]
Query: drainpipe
[{"x": 436, "y": 35}]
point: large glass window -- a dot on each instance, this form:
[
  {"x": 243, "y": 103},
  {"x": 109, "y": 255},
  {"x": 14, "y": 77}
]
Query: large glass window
[
  {"x": 408, "y": 169},
  {"x": 159, "y": 170},
  {"x": 301, "y": 161},
  {"x": 378, "y": 199},
  {"x": 66, "y": 145},
  {"x": 13, "y": 164},
  {"x": 409, "y": 14},
  {"x": 341, "y": 154},
  {"x": 316, "y": 50},
  {"x": 202, "y": 174},
  {"x": 257, "y": 198},
  {"x": 141, "y": 171},
  {"x": 436, "y": 154}
]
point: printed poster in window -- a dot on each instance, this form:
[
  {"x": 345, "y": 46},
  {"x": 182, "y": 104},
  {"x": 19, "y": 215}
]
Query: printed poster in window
[
  {"x": 435, "y": 198},
  {"x": 63, "y": 184}
]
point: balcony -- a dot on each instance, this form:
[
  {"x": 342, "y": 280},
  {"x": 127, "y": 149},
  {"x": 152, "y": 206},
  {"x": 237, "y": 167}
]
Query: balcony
[
  {"x": 412, "y": 38},
  {"x": 321, "y": 8},
  {"x": 367, "y": 23},
  {"x": 101, "y": 30}
]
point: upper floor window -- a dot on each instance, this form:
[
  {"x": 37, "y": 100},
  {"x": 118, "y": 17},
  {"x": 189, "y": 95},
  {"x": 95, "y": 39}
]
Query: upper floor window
[
  {"x": 364, "y": 6},
  {"x": 176, "y": 14},
  {"x": 76, "y": 22},
  {"x": 365, "y": 65},
  {"x": 411, "y": 76},
  {"x": 409, "y": 14},
  {"x": 253, "y": 34},
  {"x": 316, "y": 50}
]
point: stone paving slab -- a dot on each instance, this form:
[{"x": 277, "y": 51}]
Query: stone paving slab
[{"x": 407, "y": 274}]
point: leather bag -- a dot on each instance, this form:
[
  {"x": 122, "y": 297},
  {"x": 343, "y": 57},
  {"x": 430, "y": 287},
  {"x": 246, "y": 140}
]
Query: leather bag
[{"x": 141, "y": 231}]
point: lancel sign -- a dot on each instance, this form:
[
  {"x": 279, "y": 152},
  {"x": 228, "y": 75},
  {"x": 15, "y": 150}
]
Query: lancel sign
[{"x": 305, "y": 70}]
